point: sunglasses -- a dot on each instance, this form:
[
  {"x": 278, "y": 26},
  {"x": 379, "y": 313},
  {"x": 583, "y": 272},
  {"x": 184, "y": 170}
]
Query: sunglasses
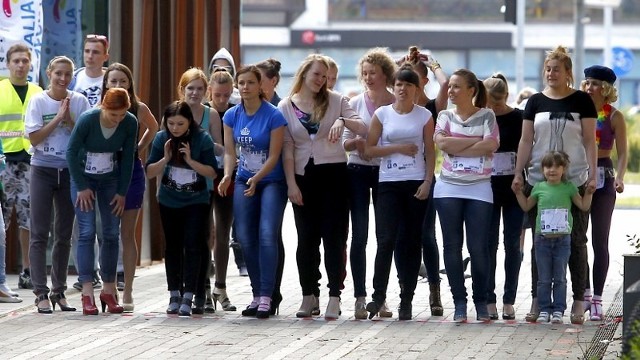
[
  {"x": 103, "y": 39},
  {"x": 216, "y": 68}
]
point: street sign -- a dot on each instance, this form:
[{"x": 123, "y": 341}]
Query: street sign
[{"x": 622, "y": 61}]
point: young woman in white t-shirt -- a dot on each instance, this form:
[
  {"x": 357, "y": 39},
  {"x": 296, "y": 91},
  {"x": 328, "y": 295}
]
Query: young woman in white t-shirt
[
  {"x": 49, "y": 119},
  {"x": 402, "y": 135}
]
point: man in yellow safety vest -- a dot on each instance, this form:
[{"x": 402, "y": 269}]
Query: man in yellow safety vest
[{"x": 15, "y": 94}]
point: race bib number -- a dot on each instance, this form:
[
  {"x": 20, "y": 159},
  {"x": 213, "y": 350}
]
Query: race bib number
[
  {"x": 253, "y": 161},
  {"x": 503, "y": 163},
  {"x": 554, "y": 221},
  {"x": 99, "y": 163},
  {"x": 467, "y": 164},
  {"x": 182, "y": 176},
  {"x": 400, "y": 162},
  {"x": 600, "y": 178},
  {"x": 55, "y": 145}
]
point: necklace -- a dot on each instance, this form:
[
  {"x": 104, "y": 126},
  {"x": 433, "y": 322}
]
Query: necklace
[{"x": 603, "y": 114}]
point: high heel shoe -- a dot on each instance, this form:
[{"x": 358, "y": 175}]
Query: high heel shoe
[
  {"x": 276, "y": 299},
  {"x": 185, "y": 307},
  {"x": 128, "y": 307},
  {"x": 307, "y": 306},
  {"x": 220, "y": 296},
  {"x": 252, "y": 309},
  {"x": 316, "y": 307},
  {"x": 508, "y": 312},
  {"x": 596, "y": 310},
  {"x": 110, "y": 303},
  {"x": 89, "y": 305},
  {"x": 56, "y": 299},
  {"x": 174, "y": 305},
  {"x": 264, "y": 309},
  {"x": 492, "y": 309},
  {"x": 333, "y": 308},
  {"x": 577, "y": 313},
  {"x": 43, "y": 310},
  {"x": 532, "y": 315}
]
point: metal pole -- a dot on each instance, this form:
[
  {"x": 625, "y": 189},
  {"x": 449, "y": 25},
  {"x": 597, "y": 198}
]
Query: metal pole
[
  {"x": 520, "y": 19},
  {"x": 578, "y": 57},
  {"x": 608, "y": 24}
]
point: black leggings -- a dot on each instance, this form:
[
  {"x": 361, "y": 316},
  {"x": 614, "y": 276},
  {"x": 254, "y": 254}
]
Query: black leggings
[{"x": 604, "y": 200}]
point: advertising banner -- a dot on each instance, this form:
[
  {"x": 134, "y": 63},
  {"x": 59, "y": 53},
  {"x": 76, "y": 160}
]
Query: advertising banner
[
  {"x": 62, "y": 32},
  {"x": 21, "y": 21}
]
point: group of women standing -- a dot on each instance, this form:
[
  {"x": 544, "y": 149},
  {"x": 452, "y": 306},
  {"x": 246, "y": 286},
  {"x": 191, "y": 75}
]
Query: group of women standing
[
  {"x": 239, "y": 164},
  {"x": 83, "y": 159}
]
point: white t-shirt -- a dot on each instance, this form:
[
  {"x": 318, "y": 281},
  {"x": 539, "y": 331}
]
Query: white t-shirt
[
  {"x": 402, "y": 129},
  {"x": 359, "y": 104},
  {"x": 41, "y": 110},
  {"x": 90, "y": 87}
]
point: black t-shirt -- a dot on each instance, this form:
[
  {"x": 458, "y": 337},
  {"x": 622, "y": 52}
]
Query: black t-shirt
[{"x": 510, "y": 126}]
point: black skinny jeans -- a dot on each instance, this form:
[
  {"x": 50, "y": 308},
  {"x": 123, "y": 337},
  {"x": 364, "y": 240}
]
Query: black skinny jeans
[
  {"x": 185, "y": 233},
  {"x": 323, "y": 217},
  {"x": 398, "y": 209}
]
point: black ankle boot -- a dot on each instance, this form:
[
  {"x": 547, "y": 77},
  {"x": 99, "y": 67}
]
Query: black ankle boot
[{"x": 404, "y": 310}]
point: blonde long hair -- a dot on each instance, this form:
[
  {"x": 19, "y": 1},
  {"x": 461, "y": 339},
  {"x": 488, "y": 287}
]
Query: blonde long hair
[{"x": 321, "y": 99}]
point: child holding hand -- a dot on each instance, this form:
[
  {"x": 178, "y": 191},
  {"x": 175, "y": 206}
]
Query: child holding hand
[{"x": 553, "y": 198}]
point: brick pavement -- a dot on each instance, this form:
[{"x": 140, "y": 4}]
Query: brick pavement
[{"x": 149, "y": 333}]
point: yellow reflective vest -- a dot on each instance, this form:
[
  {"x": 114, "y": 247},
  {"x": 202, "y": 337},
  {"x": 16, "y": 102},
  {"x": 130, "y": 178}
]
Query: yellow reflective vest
[{"x": 12, "y": 112}]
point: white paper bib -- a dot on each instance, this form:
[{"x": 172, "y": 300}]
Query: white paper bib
[
  {"x": 253, "y": 161},
  {"x": 99, "y": 163},
  {"x": 182, "y": 176},
  {"x": 503, "y": 163},
  {"x": 554, "y": 221},
  {"x": 468, "y": 164},
  {"x": 600, "y": 178}
]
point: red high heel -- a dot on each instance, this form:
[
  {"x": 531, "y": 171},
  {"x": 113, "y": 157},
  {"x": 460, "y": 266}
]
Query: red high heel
[
  {"x": 88, "y": 306},
  {"x": 110, "y": 302}
]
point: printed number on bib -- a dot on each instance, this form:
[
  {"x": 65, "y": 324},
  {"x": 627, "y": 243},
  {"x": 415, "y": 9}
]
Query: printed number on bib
[
  {"x": 468, "y": 164},
  {"x": 600, "y": 178},
  {"x": 554, "y": 221},
  {"x": 503, "y": 163},
  {"x": 99, "y": 163},
  {"x": 55, "y": 145},
  {"x": 253, "y": 161},
  {"x": 182, "y": 176}
]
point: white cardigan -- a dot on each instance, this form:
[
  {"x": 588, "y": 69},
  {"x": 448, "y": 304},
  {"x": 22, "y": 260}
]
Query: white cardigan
[{"x": 298, "y": 141}]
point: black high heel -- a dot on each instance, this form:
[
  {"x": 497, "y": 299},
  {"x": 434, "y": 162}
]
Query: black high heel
[
  {"x": 43, "y": 310},
  {"x": 276, "y": 299},
  {"x": 55, "y": 299}
]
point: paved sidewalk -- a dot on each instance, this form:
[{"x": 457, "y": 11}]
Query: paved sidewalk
[{"x": 150, "y": 333}]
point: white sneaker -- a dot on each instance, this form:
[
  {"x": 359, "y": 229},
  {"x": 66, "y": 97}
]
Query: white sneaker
[
  {"x": 556, "y": 318},
  {"x": 543, "y": 317},
  {"x": 6, "y": 298},
  {"x": 4, "y": 288}
]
